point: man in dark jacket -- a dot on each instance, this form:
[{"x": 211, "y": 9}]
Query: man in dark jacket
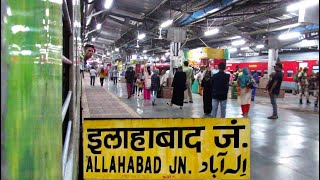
[
  {"x": 220, "y": 87},
  {"x": 155, "y": 85},
  {"x": 130, "y": 73},
  {"x": 274, "y": 89}
]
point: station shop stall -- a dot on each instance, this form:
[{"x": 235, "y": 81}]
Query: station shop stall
[{"x": 206, "y": 57}]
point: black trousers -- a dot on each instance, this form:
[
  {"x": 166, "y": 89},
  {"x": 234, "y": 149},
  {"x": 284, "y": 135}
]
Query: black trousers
[
  {"x": 92, "y": 80},
  {"x": 115, "y": 80},
  {"x": 101, "y": 81},
  {"x": 82, "y": 73}
]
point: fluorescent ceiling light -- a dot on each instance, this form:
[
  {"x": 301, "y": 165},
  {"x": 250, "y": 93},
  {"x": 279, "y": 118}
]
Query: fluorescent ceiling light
[
  {"x": 289, "y": 35},
  {"x": 231, "y": 50},
  {"x": 212, "y": 11},
  {"x": 141, "y": 36},
  {"x": 98, "y": 26},
  {"x": 134, "y": 56},
  {"x": 238, "y": 42},
  {"x": 211, "y": 32},
  {"x": 302, "y": 5},
  {"x": 93, "y": 39},
  {"x": 245, "y": 48},
  {"x": 166, "y": 23},
  {"x": 144, "y": 51},
  {"x": 108, "y": 54},
  {"x": 108, "y": 3},
  {"x": 117, "y": 49},
  {"x": 235, "y": 37},
  {"x": 88, "y": 21},
  {"x": 259, "y": 46},
  {"x": 287, "y": 26},
  {"x": 167, "y": 54},
  {"x": 145, "y": 57}
]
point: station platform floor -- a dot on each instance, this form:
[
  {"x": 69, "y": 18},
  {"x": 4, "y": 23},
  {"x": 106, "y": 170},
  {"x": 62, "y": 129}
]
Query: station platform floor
[{"x": 282, "y": 149}]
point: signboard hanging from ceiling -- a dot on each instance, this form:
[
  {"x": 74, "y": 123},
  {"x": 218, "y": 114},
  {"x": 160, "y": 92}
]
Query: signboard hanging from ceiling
[
  {"x": 207, "y": 53},
  {"x": 176, "y": 34},
  {"x": 204, "y": 148}
]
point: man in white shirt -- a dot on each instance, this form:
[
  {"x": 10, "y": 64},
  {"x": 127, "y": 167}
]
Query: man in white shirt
[
  {"x": 164, "y": 78},
  {"x": 115, "y": 76},
  {"x": 93, "y": 74}
]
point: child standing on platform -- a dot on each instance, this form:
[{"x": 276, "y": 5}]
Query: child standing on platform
[{"x": 140, "y": 85}]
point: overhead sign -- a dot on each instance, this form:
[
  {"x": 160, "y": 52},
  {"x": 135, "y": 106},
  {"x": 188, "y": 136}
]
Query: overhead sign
[
  {"x": 166, "y": 148},
  {"x": 206, "y": 53}
]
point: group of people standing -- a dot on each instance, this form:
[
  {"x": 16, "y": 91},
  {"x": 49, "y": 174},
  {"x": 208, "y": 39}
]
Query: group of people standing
[
  {"x": 215, "y": 85},
  {"x": 150, "y": 83},
  {"x": 307, "y": 85},
  {"x": 214, "y": 89}
]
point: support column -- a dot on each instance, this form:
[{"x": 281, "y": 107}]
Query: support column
[
  {"x": 174, "y": 56},
  {"x": 272, "y": 58}
]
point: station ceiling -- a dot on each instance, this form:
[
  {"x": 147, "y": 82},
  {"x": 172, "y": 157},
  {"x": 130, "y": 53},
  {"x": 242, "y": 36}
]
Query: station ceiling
[{"x": 255, "y": 21}]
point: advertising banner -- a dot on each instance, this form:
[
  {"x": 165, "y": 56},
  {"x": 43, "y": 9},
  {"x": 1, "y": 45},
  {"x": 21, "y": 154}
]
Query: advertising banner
[{"x": 206, "y": 148}]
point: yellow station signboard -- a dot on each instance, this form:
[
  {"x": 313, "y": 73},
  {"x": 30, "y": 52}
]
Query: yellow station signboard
[
  {"x": 207, "y": 148},
  {"x": 205, "y": 53}
]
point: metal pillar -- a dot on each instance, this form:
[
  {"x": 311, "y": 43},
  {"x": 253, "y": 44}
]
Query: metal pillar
[
  {"x": 273, "y": 55},
  {"x": 174, "y": 56}
]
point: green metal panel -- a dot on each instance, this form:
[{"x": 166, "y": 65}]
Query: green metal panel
[
  {"x": 33, "y": 137},
  {"x": 226, "y": 54}
]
